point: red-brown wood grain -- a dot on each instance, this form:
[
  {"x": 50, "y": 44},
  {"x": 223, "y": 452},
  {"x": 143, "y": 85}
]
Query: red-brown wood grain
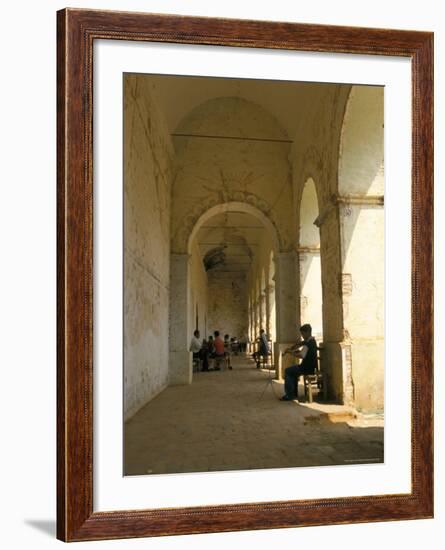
[{"x": 76, "y": 31}]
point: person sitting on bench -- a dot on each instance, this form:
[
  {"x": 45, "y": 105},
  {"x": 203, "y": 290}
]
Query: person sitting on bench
[
  {"x": 195, "y": 347},
  {"x": 263, "y": 349},
  {"x": 219, "y": 354},
  {"x": 227, "y": 350},
  {"x": 308, "y": 354}
]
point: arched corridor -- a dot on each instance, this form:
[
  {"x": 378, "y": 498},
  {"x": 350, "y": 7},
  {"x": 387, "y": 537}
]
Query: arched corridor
[{"x": 248, "y": 206}]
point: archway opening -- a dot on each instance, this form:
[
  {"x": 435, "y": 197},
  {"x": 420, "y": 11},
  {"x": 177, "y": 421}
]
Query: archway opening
[
  {"x": 311, "y": 300},
  {"x": 230, "y": 250},
  {"x": 272, "y": 328}
]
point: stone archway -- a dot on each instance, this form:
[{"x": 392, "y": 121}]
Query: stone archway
[
  {"x": 309, "y": 261},
  {"x": 250, "y": 207},
  {"x": 180, "y": 300}
]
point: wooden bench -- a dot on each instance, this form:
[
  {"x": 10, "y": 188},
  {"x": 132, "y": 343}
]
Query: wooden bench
[
  {"x": 196, "y": 364},
  {"x": 317, "y": 380},
  {"x": 264, "y": 360}
]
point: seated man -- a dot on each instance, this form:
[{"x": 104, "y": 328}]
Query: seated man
[
  {"x": 195, "y": 346},
  {"x": 209, "y": 351},
  {"x": 308, "y": 365},
  {"x": 227, "y": 350},
  {"x": 205, "y": 353},
  {"x": 219, "y": 349},
  {"x": 263, "y": 349}
]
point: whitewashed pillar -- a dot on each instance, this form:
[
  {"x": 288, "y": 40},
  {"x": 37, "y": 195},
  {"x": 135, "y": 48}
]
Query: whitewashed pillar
[
  {"x": 180, "y": 371},
  {"x": 286, "y": 306}
]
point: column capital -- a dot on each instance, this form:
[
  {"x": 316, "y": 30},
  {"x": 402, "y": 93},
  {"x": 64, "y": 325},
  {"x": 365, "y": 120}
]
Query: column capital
[
  {"x": 308, "y": 250},
  {"x": 360, "y": 200},
  {"x": 348, "y": 200}
]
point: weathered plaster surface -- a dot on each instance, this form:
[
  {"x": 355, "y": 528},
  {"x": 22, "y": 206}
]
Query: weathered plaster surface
[
  {"x": 363, "y": 299},
  {"x": 361, "y": 148},
  {"x": 147, "y": 157},
  {"x": 227, "y": 311},
  {"x": 199, "y": 287},
  {"x": 362, "y": 225},
  {"x": 180, "y": 360}
]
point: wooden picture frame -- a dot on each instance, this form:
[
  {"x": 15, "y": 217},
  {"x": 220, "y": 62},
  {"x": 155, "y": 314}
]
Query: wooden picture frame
[{"x": 77, "y": 31}]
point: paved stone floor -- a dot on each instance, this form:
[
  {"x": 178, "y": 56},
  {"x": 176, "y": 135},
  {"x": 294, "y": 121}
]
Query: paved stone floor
[{"x": 233, "y": 420}]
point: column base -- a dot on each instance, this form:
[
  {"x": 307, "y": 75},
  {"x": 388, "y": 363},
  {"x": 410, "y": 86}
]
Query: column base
[
  {"x": 180, "y": 371},
  {"x": 336, "y": 363}
]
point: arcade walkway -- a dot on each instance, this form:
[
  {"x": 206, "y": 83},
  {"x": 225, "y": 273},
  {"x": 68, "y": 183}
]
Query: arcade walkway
[{"x": 233, "y": 420}]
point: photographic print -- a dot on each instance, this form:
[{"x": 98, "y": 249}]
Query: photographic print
[
  {"x": 225, "y": 275},
  {"x": 253, "y": 274}
]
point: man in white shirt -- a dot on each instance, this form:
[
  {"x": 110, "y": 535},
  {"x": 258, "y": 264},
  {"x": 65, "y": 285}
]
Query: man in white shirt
[{"x": 195, "y": 344}]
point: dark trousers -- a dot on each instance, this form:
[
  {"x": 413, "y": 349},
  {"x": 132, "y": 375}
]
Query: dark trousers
[
  {"x": 204, "y": 357},
  {"x": 291, "y": 376}
]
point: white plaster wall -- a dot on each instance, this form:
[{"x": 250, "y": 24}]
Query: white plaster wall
[
  {"x": 227, "y": 299},
  {"x": 363, "y": 247},
  {"x": 180, "y": 316},
  {"x": 147, "y": 174},
  {"x": 311, "y": 302},
  {"x": 199, "y": 293},
  {"x": 361, "y": 151},
  {"x": 309, "y": 235},
  {"x": 316, "y": 143}
]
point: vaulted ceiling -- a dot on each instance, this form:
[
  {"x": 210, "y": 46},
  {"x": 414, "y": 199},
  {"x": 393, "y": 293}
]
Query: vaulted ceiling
[
  {"x": 287, "y": 101},
  {"x": 229, "y": 241}
]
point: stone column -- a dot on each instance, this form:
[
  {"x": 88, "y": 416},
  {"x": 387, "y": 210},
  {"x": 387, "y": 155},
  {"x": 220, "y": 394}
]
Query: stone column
[
  {"x": 272, "y": 315},
  {"x": 249, "y": 324},
  {"x": 363, "y": 297},
  {"x": 335, "y": 346},
  {"x": 352, "y": 265},
  {"x": 252, "y": 327},
  {"x": 260, "y": 313},
  {"x": 268, "y": 327},
  {"x": 263, "y": 312},
  {"x": 286, "y": 307},
  {"x": 180, "y": 367}
]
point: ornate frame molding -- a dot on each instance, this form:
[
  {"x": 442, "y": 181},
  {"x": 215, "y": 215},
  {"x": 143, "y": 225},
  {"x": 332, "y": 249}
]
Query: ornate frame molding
[{"x": 77, "y": 30}]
